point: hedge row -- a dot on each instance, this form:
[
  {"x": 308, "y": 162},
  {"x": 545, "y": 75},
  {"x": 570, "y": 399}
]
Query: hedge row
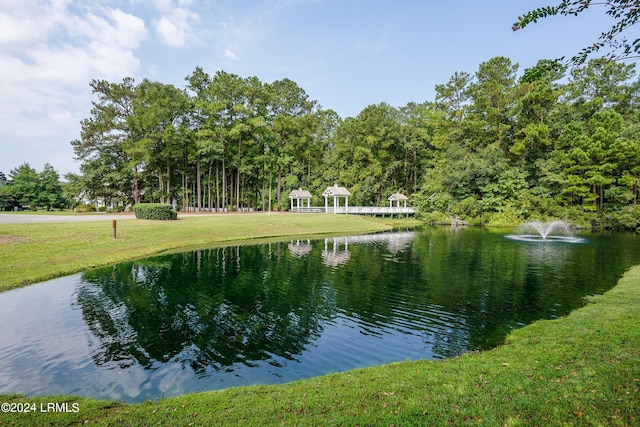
[{"x": 154, "y": 211}]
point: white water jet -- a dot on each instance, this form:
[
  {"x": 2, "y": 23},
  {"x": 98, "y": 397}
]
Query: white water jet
[
  {"x": 544, "y": 229},
  {"x": 554, "y": 231}
]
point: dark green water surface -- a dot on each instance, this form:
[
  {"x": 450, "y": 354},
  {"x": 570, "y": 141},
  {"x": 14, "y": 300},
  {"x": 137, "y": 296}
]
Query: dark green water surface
[{"x": 277, "y": 312}]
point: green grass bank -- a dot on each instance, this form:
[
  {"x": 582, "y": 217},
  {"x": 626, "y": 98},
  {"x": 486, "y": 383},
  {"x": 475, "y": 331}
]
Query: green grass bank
[{"x": 34, "y": 252}]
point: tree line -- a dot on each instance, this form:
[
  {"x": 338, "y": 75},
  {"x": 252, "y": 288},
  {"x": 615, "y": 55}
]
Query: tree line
[
  {"x": 31, "y": 189},
  {"x": 496, "y": 145}
]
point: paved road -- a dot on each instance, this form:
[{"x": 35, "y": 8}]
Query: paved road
[{"x": 28, "y": 218}]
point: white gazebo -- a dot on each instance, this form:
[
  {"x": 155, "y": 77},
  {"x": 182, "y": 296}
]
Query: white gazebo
[
  {"x": 300, "y": 195},
  {"x": 336, "y": 192},
  {"x": 398, "y": 197}
]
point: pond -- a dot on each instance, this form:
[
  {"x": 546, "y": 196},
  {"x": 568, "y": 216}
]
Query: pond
[{"x": 277, "y": 312}]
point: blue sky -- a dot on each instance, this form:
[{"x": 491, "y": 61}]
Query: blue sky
[{"x": 346, "y": 54}]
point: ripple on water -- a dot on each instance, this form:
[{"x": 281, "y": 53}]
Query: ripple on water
[{"x": 549, "y": 239}]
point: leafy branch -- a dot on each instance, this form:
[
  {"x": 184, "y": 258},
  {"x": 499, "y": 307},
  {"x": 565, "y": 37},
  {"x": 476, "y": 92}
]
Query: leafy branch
[{"x": 625, "y": 13}]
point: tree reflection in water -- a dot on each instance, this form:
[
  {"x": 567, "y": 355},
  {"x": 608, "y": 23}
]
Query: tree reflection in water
[
  {"x": 304, "y": 308},
  {"x": 208, "y": 308}
]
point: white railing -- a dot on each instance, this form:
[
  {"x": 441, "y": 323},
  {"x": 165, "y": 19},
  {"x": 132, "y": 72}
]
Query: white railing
[
  {"x": 310, "y": 209},
  {"x": 375, "y": 210},
  {"x": 357, "y": 210}
]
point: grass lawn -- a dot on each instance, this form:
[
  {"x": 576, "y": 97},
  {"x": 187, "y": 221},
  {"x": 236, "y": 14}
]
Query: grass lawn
[
  {"x": 581, "y": 370},
  {"x": 30, "y": 253}
]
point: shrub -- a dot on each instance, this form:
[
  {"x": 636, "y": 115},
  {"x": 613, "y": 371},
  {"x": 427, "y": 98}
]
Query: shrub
[
  {"x": 627, "y": 219},
  {"x": 578, "y": 217},
  {"x": 507, "y": 218},
  {"x": 468, "y": 207},
  {"x": 83, "y": 208},
  {"x": 434, "y": 218},
  {"x": 154, "y": 211}
]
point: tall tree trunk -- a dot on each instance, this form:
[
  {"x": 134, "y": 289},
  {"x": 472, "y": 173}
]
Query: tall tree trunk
[
  {"x": 136, "y": 190},
  {"x": 238, "y": 175},
  {"x": 270, "y": 176},
  {"x": 194, "y": 189},
  {"x": 198, "y": 184},
  {"x": 209, "y": 188},
  {"x": 232, "y": 188},
  {"x": 185, "y": 198},
  {"x": 217, "y": 188},
  {"x": 241, "y": 191},
  {"x": 278, "y": 186},
  {"x": 161, "y": 186},
  {"x": 224, "y": 185},
  {"x": 263, "y": 186},
  {"x": 168, "y": 182}
]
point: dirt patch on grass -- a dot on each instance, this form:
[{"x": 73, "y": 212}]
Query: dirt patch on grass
[{"x": 7, "y": 238}]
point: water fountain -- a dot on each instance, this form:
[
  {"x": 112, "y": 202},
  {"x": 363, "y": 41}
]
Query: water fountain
[{"x": 554, "y": 231}]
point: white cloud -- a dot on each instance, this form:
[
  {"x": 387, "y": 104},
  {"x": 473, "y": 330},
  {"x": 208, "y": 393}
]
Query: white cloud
[
  {"x": 72, "y": 48},
  {"x": 177, "y": 26},
  {"x": 26, "y": 22},
  {"x": 236, "y": 36},
  {"x": 170, "y": 33},
  {"x": 228, "y": 53},
  {"x": 49, "y": 51}
]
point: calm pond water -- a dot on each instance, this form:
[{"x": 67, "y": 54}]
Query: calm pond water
[{"x": 277, "y": 312}]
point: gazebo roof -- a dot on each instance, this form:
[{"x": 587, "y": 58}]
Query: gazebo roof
[
  {"x": 397, "y": 196},
  {"x": 300, "y": 194},
  {"x": 336, "y": 191}
]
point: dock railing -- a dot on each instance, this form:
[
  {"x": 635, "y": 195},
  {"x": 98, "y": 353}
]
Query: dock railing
[{"x": 357, "y": 210}]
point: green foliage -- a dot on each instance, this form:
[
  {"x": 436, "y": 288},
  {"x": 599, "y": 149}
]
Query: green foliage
[
  {"x": 434, "y": 218},
  {"x": 626, "y": 219},
  {"x": 159, "y": 211},
  {"x": 51, "y": 194},
  {"x": 468, "y": 207},
  {"x": 508, "y": 217},
  {"x": 7, "y": 200},
  {"x": 34, "y": 189},
  {"x": 625, "y": 14},
  {"x": 25, "y": 185},
  {"x": 535, "y": 145}
]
